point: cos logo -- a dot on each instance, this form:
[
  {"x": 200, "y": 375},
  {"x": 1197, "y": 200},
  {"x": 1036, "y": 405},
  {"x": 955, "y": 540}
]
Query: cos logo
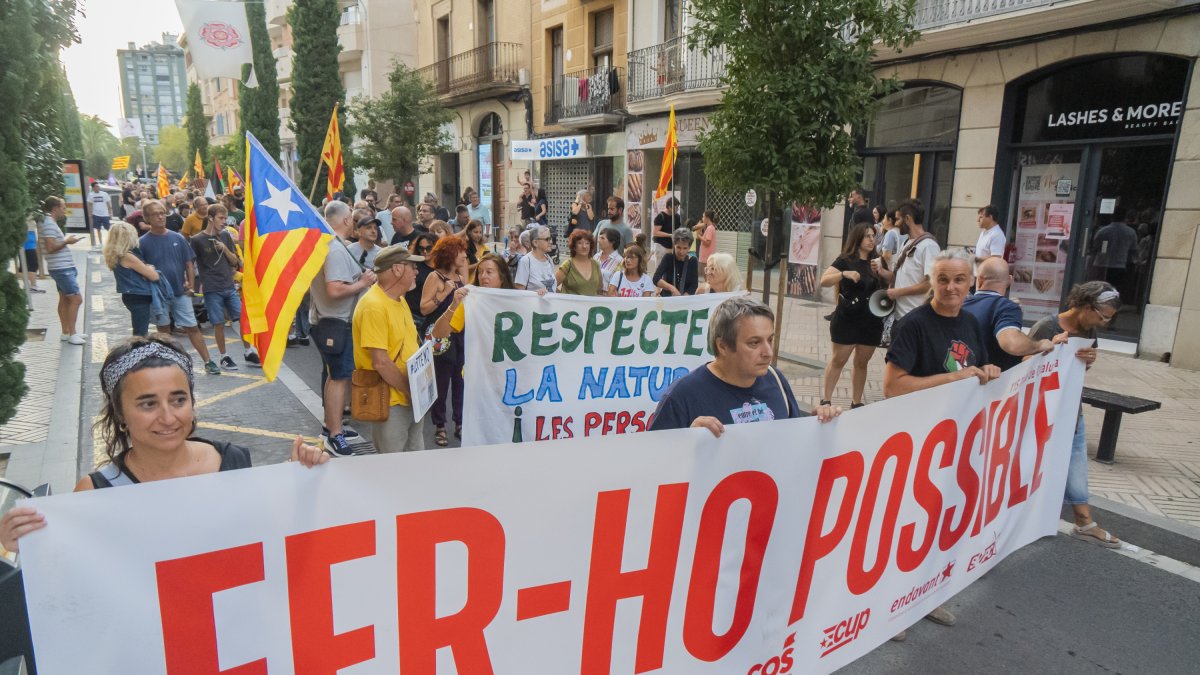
[{"x": 776, "y": 665}]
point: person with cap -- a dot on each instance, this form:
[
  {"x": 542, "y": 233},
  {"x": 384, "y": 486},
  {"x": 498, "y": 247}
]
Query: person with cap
[
  {"x": 384, "y": 338},
  {"x": 366, "y": 247}
]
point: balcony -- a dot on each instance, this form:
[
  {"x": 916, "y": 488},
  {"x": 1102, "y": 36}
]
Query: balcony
[
  {"x": 588, "y": 98},
  {"x": 956, "y": 24},
  {"x": 350, "y": 35},
  {"x": 675, "y": 69},
  {"x": 283, "y": 64},
  {"x": 483, "y": 72}
]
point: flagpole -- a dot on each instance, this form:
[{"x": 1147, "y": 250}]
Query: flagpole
[{"x": 316, "y": 176}]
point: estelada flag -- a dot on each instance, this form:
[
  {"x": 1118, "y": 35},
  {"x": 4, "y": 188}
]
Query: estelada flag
[
  {"x": 164, "y": 183},
  {"x": 286, "y": 242},
  {"x": 198, "y": 165},
  {"x": 331, "y": 156},
  {"x": 667, "y": 172}
]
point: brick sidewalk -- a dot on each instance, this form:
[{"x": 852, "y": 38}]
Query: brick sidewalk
[{"x": 1157, "y": 467}]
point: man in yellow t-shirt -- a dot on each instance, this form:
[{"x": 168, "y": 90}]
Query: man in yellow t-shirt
[
  {"x": 194, "y": 223},
  {"x": 384, "y": 338}
]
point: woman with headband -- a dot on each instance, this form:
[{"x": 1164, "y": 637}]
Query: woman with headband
[{"x": 146, "y": 426}]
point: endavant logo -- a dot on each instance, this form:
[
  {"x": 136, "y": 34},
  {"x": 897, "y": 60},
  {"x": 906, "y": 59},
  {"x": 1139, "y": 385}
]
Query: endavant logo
[
  {"x": 917, "y": 592},
  {"x": 844, "y": 632}
]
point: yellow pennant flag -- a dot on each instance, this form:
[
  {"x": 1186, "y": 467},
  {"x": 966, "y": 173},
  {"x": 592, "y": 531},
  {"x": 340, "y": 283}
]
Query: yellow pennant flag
[
  {"x": 183, "y": 182},
  {"x": 331, "y": 155},
  {"x": 198, "y": 166},
  {"x": 667, "y": 172}
]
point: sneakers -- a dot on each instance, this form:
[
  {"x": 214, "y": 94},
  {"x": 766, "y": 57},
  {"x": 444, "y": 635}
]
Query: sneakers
[
  {"x": 303, "y": 339},
  {"x": 941, "y": 615},
  {"x": 337, "y": 446},
  {"x": 212, "y": 368},
  {"x": 227, "y": 363},
  {"x": 347, "y": 432},
  {"x": 253, "y": 360},
  {"x": 76, "y": 339}
]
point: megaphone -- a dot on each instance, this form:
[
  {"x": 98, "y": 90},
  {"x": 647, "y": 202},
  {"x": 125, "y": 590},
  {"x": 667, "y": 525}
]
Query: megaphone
[{"x": 880, "y": 304}]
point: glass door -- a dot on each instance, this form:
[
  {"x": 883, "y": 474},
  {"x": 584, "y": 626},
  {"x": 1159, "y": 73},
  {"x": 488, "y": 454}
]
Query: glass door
[{"x": 1120, "y": 228}]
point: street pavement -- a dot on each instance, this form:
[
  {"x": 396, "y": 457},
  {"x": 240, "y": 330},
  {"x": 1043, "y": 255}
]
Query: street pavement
[{"x": 1056, "y": 606}]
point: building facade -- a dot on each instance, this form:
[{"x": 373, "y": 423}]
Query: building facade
[
  {"x": 477, "y": 58},
  {"x": 281, "y": 48},
  {"x": 1081, "y": 122},
  {"x": 153, "y": 85}
]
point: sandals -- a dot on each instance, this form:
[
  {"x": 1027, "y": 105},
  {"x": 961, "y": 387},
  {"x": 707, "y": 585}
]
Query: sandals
[
  {"x": 1091, "y": 534},
  {"x": 439, "y": 437}
]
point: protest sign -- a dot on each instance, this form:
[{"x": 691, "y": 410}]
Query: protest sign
[
  {"x": 784, "y": 546},
  {"x": 422, "y": 382},
  {"x": 565, "y": 366}
]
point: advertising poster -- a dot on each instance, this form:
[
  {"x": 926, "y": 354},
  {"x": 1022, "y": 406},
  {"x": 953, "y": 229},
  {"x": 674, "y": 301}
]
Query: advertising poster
[
  {"x": 634, "y": 185},
  {"x": 485, "y": 173},
  {"x": 73, "y": 192},
  {"x": 804, "y": 251},
  {"x": 1041, "y": 243}
]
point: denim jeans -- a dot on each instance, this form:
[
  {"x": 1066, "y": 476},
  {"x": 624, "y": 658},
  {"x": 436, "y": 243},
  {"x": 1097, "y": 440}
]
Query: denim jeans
[
  {"x": 139, "y": 312},
  {"x": 1077, "y": 470}
]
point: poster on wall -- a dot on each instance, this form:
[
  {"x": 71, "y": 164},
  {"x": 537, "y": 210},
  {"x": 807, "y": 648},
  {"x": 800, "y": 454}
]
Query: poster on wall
[
  {"x": 635, "y": 164},
  {"x": 804, "y": 251},
  {"x": 485, "y": 175},
  {"x": 73, "y": 194},
  {"x": 1042, "y": 237}
]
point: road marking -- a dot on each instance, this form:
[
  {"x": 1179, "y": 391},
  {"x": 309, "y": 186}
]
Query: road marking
[
  {"x": 1162, "y": 562},
  {"x": 232, "y": 392},
  {"x": 96, "y": 278},
  {"x": 252, "y": 431},
  {"x": 99, "y": 347},
  {"x": 97, "y": 304},
  {"x": 244, "y": 376}
]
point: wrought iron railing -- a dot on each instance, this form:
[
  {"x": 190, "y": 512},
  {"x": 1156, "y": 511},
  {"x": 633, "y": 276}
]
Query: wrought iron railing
[
  {"x": 937, "y": 13},
  {"x": 492, "y": 64},
  {"x": 588, "y": 92},
  {"x": 671, "y": 67}
]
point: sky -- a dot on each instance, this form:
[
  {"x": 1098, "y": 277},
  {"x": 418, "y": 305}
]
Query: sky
[{"x": 110, "y": 25}]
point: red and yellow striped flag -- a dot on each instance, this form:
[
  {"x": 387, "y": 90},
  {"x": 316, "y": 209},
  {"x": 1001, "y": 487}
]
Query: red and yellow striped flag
[
  {"x": 331, "y": 156},
  {"x": 286, "y": 242},
  {"x": 164, "y": 183},
  {"x": 670, "y": 151}
]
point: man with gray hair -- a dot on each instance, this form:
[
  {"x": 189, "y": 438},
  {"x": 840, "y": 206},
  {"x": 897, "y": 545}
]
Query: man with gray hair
[
  {"x": 334, "y": 293},
  {"x": 938, "y": 343},
  {"x": 739, "y": 385}
]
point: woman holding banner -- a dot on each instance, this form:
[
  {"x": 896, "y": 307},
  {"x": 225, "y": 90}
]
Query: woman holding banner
[
  {"x": 631, "y": 281},
  {"x": 580, "y": 274},
  {"x": 146, "y": 426},
  {"x": 449, "y": 259},
  {"x": 609, "y": 255},
  {"x": 491, "y": 273}
]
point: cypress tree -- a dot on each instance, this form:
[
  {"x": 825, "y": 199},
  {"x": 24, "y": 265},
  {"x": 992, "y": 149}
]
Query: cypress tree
[
  {"x": 197, "y": 126},
  {"x": 258, "y": 107},
  {"x": 316, "y": 87},
  {"x": 72, "y": 130}
]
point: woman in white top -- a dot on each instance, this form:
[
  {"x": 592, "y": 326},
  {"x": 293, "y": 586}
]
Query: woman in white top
[
  {"x": 609, "y": 256},
  {"x": 632, "y": 281}
]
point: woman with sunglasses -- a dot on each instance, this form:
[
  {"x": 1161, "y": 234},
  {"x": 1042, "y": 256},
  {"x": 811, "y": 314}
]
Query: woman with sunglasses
[
  {"x": 1090, "y": 306},
  {"x": 449, "y": 262},
  {"x": 422, "y": 245}
]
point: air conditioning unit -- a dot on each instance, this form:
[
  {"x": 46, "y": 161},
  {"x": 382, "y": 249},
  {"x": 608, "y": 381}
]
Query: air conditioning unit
[{"x": 523, "y": 77}]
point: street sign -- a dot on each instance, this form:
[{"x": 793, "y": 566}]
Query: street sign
[
  {"x": 564, "y": 147},
  {"x": 751, "y": 198},
  {"x": 409, "y": 189}
]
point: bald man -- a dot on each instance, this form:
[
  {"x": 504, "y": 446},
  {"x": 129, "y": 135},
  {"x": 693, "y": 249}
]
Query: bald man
[
  {"x": 402, "y": 223},
  {"x": 1001, "y": 317}
]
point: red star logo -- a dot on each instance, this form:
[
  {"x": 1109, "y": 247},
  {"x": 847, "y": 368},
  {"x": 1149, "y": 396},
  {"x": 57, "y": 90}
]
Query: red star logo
[
  {"x": 949, "y": 568},
  {"x": 825, "y": 643}
]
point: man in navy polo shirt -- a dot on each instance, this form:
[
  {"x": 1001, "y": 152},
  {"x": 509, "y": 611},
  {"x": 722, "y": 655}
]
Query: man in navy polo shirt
[{"x": 1000, "y": 317}]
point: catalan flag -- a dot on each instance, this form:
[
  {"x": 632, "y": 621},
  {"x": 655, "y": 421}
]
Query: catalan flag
[
  {"x": 164, "y": 182},
  {"x": 286, "y": 242},
  {"x": 331, "y": 156},
  {"x": 670, "y": 151},
  {"x": 120, "y": 163},
  {"x": 198, "y": 165}
]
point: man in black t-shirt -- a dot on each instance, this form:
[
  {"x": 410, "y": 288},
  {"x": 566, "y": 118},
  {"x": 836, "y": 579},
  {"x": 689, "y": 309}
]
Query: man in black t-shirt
[
  {"x": 665, "y": 223},
  {"x": 739, "y": 385},
  {"x": 938, "y": 343}
]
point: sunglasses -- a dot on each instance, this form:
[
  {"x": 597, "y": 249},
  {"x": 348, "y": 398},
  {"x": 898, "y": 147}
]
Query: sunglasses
[{"x": 423, "y": 249}]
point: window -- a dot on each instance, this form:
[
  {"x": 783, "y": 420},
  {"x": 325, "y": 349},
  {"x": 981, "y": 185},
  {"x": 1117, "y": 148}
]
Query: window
[
  {"x": 672, "y": 20},
  {"x": 602, "y": 39},
  {"x": 485, "y": 26},
  {"x": 920, "y": 116}
]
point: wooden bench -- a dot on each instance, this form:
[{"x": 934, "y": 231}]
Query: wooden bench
[{"x": 1114, "y": 405}]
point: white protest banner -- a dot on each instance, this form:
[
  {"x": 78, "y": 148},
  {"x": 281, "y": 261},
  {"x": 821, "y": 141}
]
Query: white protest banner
[
  {"x": 422, "y": 383},
  {"x": 218, "y": 37},
  {"x": 565, "y": 366},
  {"x": 785, "y": 546}
]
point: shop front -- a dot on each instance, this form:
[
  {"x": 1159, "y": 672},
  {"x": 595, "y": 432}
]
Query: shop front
[
  {"x": 645, "y": 140},
  {"x": 565, "y": 165},
  {"x": 1085, "y": 156}
]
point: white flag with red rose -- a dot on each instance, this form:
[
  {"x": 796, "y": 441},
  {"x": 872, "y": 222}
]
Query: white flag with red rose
[{"x": 218, "y": 37}]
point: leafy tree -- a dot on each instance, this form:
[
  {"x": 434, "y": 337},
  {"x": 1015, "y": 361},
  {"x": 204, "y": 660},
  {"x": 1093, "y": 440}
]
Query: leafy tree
[
  {"x": 401, "y": 128},
  {"x": 72, "y": 133},
  {"x": 196, "y": 123},
  {"x": 259, "y": 106},
  {"x": 172, "y": 149},
  {"x": 316, "y": 87},
  {"x": 99, "y": 145},
  {"x": 32, "y": 33}
]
